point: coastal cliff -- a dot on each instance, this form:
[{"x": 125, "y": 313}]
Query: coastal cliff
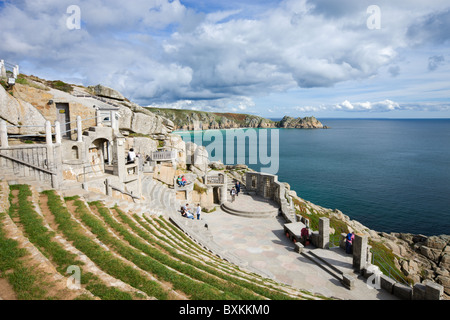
[{"x": 200, "y": 120}]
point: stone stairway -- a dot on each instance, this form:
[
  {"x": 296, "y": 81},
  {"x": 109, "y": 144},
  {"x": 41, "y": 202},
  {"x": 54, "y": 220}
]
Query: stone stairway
[
  {"x": 18, "y": 179},
  {"x": 341, "y": 269}
]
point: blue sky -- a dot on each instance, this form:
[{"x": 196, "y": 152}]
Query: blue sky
[{"x": 266, "y": 57}]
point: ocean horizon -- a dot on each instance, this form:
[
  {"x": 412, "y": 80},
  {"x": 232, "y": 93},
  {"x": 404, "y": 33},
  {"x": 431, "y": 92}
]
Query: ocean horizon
[{"x": 392, "y": 175}]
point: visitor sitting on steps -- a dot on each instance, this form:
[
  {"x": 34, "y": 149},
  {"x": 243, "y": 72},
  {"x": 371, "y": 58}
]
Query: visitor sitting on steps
[
  {"x": 305, "y": 236},
  {"x": 131, "y": 157},
  {"x": 187, "y": 212}
]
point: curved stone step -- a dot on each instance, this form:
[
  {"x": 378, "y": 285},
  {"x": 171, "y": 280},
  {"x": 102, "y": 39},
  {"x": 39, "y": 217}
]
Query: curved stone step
[{"x": 270, "y": 213}]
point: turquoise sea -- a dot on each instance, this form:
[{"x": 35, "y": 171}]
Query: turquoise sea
[{"x": 390, "y": 175}]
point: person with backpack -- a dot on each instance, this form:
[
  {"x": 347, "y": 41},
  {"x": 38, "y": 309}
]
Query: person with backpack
[
  {"x": 233, "y": 194},
  {"x": 349, "y": 242},
  {"x": 238, "y": 188}
]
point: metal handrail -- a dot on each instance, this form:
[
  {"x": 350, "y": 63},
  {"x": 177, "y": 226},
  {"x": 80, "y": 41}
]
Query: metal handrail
[
  {"x": 43, "y": 126},
  {"x": 26, "y": 126},
  {"x": 375, "y": 255},
  {"x": 333, "y": 240}
]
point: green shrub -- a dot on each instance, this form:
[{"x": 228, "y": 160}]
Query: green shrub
[{"x": 60, "y": 85}]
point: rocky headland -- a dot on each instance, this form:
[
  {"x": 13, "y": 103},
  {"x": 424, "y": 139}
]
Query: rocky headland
[{"x": 200, "y": 120}]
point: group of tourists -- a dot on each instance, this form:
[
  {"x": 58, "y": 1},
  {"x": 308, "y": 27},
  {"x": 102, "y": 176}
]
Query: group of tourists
[
  {"x": 186, "y": 212},
  {"x": 305, "y": 235}
]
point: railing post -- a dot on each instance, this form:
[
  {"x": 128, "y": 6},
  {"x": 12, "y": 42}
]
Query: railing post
[
  {"x": 324, "y": 233},
  {"x": 48, "y": 133},
  {"x": 2, "y": 69},
  {"x": 113, "y": 120},
  {"x": 16, "y": 71},
  {"x": 58, "y": 137},
  {"x": 79, "y": 130},
  {"x": 4, "y": 134},
  {"x": 99, "y": 117},
  {"x": 360, "y": 244}
]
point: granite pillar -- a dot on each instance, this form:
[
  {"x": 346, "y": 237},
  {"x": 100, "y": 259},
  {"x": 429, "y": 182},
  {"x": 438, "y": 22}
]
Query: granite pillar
[{"x": 360, "y": 252}]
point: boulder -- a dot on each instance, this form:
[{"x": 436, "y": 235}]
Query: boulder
[
  {"x": 175, "y": 142},
  {"x": 418, "y": 238},
  {"x": 442, "y": 272},
  {"x": 144, "y": 146},
  {"x": 125, "y": 119},
  {"x": 106, "y": 92},
  {"x": 445, "y": 261},
  {"x": 17, "y": 112},
  {"x": 237, "y": 167},
  {"x": 435, "y": 242},
  {"x": 445, "y": 282},
  {"x": 197, "y": 156},
  {"x": 432, "y": 254},
  {"x": 217, "y": 165},
  {"x": 148, "y": 124},
  {"x": 388, "y": 236}
]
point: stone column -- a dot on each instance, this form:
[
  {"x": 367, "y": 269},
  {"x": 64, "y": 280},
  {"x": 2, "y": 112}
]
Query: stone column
[
  {"x": 108, "y": 188},
  {"x": 58, "y": 137},
  {"x": 112, "y": 116},
  {"x": 50, "y": 154},
  {"x": 109, "y": 150},
  {"x": 224, "y": 191},
  {"x": 99, "y": 117},
  {"x": 360, "y": 252},
  {"x": 48, "y": 133},
  {"x": 79, "y": 130},
  {"x": 4, "y": 134},
  {"x": 119, "y": 159},
  {"x": 15, "y": 71},
  {"x": 324, "y": 233}
]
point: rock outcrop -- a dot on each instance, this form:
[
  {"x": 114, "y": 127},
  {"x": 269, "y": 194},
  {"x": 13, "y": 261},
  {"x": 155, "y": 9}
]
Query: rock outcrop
[
  {"x": 197, "y": 158},
  {"x": 299, "y": 123},
  {"x": 18, "y": 112},
  {"x": 106, "y": 92},
  {"x": 135, "y": 119}
]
